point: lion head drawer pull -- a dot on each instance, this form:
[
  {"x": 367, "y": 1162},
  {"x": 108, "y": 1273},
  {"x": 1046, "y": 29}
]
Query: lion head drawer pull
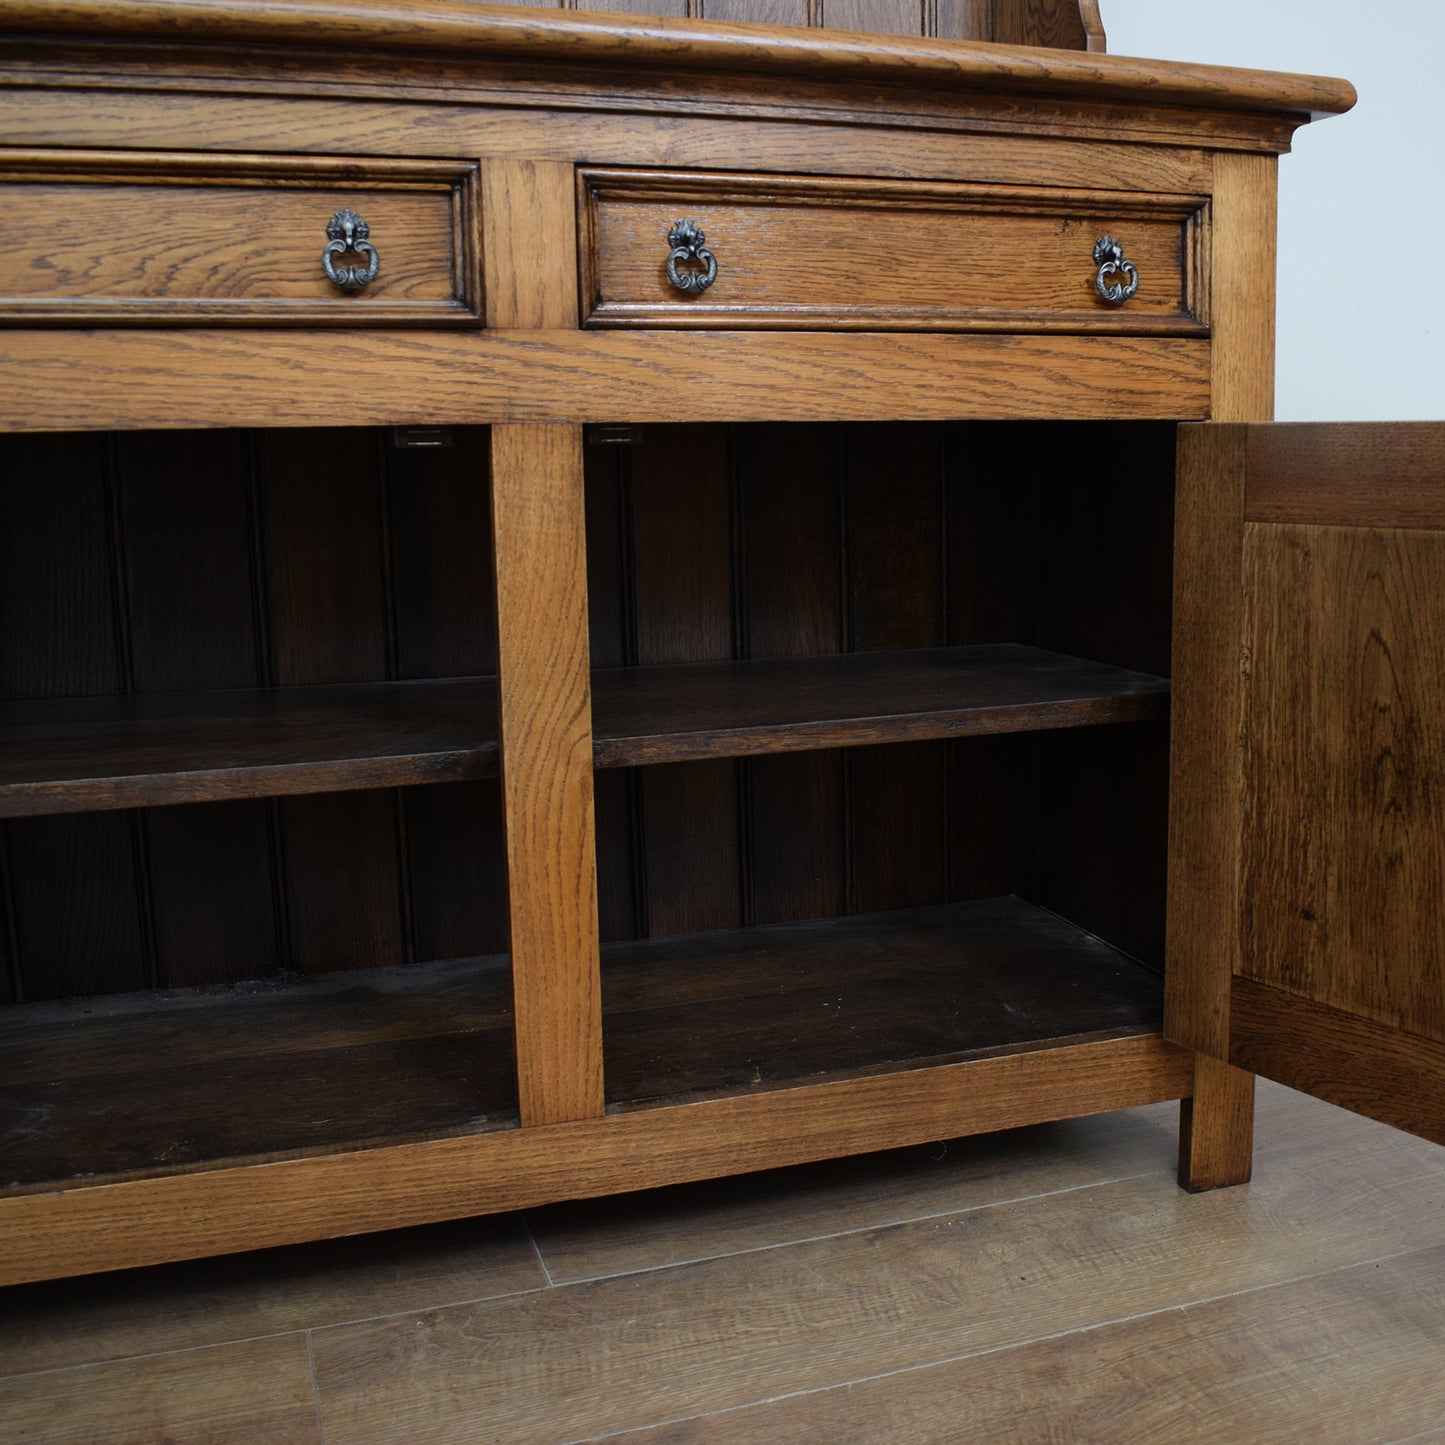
[
  {"x": 1109, "y": 258},
  {"x": 687, "y": 249},
  {"x": 348, "y": 232}
]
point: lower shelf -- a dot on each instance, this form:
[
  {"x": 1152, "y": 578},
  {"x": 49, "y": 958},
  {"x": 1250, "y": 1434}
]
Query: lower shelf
[
  {"x": 766, "y": 1007},
  {"x": 151, "y": 1083},
  {"x": 103, "y": 1089}
]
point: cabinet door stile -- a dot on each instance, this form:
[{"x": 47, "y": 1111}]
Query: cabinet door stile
[
  {"x": 1206, "y": 800},
  {"x": 546, "y": 735}
]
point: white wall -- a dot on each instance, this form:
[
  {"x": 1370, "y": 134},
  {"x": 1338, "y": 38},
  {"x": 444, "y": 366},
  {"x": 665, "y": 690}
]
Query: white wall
[{"x": 1362, "y": 197}]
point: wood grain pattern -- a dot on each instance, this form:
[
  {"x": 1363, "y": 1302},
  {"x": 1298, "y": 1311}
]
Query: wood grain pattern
[
  {"x": 171, "y": 225},
  {"x": 169, "y": 1080},
  {"x": 651, "y": 715},
  {"x": 748, "y": 1009},
  {"x": 874, "y": 255},
  {"x": 527, "y": 224},
  {"x": 662, "y": 8},
  {"x": 1216, "y": 1127},
  {"x": 233, "y": 1394},
  {"x": 183, "y": 1216},
  {"x": 758, "y": 12},
  {"x": 130, "y": 379},
  {"x": 774, "y": 1323},
  {"x": 339, "y": 584},
  {"x": 736, "y": 1011},
  {"x": 81, "y": 754},
  {"x": 1244, "y": 212},
  {"x": 663, "y": 1228},
  {"x": 1059, "y": 26},
  {"x": 462, "y": 29},
  {"x": 546, "y": 737},
  {"x": 246, "y": 1296},
  {"x": 1336, "y": 1358},
  {"x": 463, "y": 81},
  {"x": 942, "y": 143},
  {"x": 1366, "y": 474},
  {"x": 1205, "y": 917},
  {"x": 1206, "y": 786},
  {"x": 1344, "y": 810},
  {"x": 1377, "y": 1070},
  {"x": 877, "y": 17}
]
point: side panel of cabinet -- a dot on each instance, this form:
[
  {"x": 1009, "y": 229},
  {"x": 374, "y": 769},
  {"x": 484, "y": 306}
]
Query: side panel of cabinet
[{"x": 1330, "y": 975}]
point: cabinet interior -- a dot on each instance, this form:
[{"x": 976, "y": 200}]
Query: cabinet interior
[{"x": 310, "y": 951}]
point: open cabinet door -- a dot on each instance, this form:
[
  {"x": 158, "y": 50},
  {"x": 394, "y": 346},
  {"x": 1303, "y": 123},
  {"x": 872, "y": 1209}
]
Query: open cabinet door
[{"x": 1307, "y": 848}]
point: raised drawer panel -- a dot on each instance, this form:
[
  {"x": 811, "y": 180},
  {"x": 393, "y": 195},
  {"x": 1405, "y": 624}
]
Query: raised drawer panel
[
  {"x": 834, "y": 254},
  {"x": 171, "y": 239}
]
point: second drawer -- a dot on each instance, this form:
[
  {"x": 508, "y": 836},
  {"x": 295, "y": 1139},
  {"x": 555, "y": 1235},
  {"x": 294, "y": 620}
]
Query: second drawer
[{"x": 836, "y": 253}]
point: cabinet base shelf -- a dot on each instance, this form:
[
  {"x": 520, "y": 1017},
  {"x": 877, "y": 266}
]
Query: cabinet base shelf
[
  {"x": 769, "y": 1007},
  {"x": 259, "y": 1205},
  {"x": 104, "y": 1090}
]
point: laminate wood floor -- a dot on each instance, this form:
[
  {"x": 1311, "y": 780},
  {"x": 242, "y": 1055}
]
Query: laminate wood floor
[{"x": 1048, "y": 1284}]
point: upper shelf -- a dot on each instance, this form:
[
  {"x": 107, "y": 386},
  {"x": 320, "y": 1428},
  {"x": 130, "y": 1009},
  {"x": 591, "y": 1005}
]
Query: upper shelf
[
  {"x": 458, "y": 28},
  {"x": 93, "y": 754},
  {"x": 738, "y": 709}
]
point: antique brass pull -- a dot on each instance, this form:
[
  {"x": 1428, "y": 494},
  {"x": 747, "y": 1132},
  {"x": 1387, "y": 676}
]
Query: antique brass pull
[
  {"x": 348, "y": 232},
  {"x": 1109, "y": 258},
  {"x": 687, "y": 248}
]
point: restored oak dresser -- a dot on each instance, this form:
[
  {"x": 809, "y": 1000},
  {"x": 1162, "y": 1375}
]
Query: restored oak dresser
[{"x": 590, "y": 602}]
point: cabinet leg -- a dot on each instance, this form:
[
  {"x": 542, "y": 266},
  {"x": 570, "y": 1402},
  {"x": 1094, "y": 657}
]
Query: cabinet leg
[{"x": 1216, "y": 1127}]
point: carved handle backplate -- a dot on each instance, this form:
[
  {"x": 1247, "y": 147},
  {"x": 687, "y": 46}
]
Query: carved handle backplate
[
  {"x": 689, "y": 252},
  {"x": 348, "y": 232},
  {"x": 1109, "y": 258}
]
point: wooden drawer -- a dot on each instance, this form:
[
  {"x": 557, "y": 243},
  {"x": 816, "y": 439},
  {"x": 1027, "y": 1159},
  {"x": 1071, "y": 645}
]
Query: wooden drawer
[
  {"x": 167, "y": 239},
  {"x": 832, "y": 253}
]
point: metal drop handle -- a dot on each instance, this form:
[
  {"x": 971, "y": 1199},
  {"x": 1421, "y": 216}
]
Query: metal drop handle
[
  {"x": 1109, "y": 258},
  {"x": 348, "y": 232},
  {"x": 688, "y": 250}
]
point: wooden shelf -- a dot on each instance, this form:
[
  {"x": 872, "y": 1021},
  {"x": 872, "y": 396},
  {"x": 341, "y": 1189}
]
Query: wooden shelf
[
  {"x": 85, "y": 754},
  {"x": 129, "y": 1085},
  {"x": 765, "y": 1007},
  {"x": 102, "y": 1089},
  {"x": 734, "y": 709},
  {"x": 90, "y": 754}
]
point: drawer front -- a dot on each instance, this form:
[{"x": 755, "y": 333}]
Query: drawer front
[
  {"x": 836, "y": 254},
  {"x": 101, "y": 237}
]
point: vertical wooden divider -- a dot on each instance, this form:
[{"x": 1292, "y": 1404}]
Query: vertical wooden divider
[
  {"x": 1216, "y": 1137},
  {"x": 546, "y": 735},
  {"x": 529, "y": 233}
]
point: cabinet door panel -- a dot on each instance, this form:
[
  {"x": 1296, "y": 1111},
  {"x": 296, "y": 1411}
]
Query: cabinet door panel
[{"x": 1336, "y": 972}]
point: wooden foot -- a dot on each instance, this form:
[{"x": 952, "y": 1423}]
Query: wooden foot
[{"x": 1216, "y": 1127}]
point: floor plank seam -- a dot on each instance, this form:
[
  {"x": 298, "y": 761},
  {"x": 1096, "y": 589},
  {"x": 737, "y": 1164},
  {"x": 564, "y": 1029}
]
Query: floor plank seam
[
  {"x": 876, "y": 1224},
  {"x": 537, "y": 1250},
  {"x": 315, "y": 1390},
  {"x": 153, "y": 1354},
  {"x": 1182, "y": 1305},
  {"x": 308, "y": 1331}
]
